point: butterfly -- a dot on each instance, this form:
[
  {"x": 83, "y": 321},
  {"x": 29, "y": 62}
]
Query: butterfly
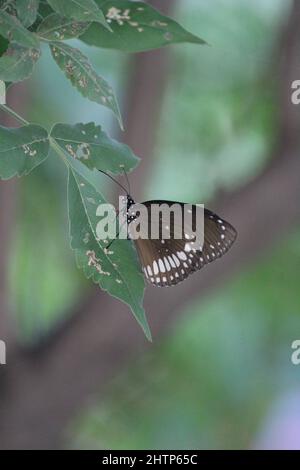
[{"x": 166, "y": 261}]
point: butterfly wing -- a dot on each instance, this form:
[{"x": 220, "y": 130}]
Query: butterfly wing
[{"x": 167, "y": 262}]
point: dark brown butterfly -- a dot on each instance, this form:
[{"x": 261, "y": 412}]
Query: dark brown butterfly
[{"x": 168, "y": 261}]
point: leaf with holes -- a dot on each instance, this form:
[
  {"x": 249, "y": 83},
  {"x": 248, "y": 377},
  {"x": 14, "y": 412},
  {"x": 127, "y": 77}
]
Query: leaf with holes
[
  {"x": 136, "y": 27},
  {"x": 80, "y": 72},
  {"x": 22, "y": 149},
  {"x": 18, "y": 63},
  {"x": 12, "y": 29},
  {"x": 81, "y": 10},
  {"x": 93, "y": 147},
  {"x": 55, "y": 27},
  {"x": 115, "y": 270},
  {"x": 27, "y": 11}
]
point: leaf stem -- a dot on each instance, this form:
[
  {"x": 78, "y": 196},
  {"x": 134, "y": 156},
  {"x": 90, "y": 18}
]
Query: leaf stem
[
  {"x": 20, "y": 119},
  {"x": 58, "y": 150}
]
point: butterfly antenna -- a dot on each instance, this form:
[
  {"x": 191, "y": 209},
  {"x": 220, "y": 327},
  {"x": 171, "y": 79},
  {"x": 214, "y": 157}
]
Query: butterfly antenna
[
  {"x": 114, "y": 180},
  {"x": 117, "y": 235},
  {"x": 128, "y": 182},
  {"x": 124, "y": 189}
]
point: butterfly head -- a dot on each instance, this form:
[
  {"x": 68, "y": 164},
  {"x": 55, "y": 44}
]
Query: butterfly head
[
  {"x": 130, "y": 214},
  {"x": 130, "y": 202}
]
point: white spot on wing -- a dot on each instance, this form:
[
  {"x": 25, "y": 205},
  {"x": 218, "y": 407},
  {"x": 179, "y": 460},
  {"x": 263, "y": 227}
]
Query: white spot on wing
[
  {"x": 171, "y": 262},
  {"x": 182, "y": 255},
  {"x": 155, "y": 267},
  {"x": 167, "y": 264},
  {"x": 177, "y": 262},
  {"x": 161, "y": 266}
]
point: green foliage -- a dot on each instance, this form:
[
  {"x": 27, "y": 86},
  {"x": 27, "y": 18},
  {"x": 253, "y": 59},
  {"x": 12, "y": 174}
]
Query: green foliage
[
  {"x": 27, "y": 11},
  {"x": 116, "y": 270},
  {"x": 55, "y": 27},
  {"x": 92, "y": 146},
  {"x": 22, "y": 149},
  {"x": 18, "y": 63},
  {"x": 83, "y": 10},
  {"x": 79, "y": 71},
  {"x": 12, "y": 29},
  {"x": 3, "y": 45},
  {"x": 84, "y": 148},
  {"x": 136, "y": 27}
]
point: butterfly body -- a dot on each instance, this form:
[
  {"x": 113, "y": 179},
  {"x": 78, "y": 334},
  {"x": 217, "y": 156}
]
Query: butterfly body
[{"x": 166, "y": 261}]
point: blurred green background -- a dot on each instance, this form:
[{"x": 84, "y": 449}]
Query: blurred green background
[{"x": 213, "y": 382}]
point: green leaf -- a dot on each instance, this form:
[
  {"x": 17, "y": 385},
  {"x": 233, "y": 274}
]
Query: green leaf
[
  {"x": 12, "y": 29},
  {"x": 55, "y": 27},
  {"x": 81, "y": 10},
  {"x": 22, "y": 149},
  {"x": 80, "y": 72},
  {"x": 43, "y": 11},
  {"x": 18, "y": 63},
  {"x": 3, "y": 45},
  {"x": 116, "y": 270},
  {"x": 136, "y": 27},
  {"x": 27, "y": 11},
  {"x": 93, "y": 147}
]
